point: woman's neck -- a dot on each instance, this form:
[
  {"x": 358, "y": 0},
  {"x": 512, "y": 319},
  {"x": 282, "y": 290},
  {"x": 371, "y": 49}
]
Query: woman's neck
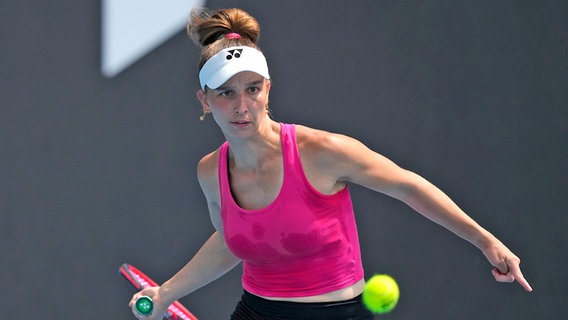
[{"x": 251, "y": 153}]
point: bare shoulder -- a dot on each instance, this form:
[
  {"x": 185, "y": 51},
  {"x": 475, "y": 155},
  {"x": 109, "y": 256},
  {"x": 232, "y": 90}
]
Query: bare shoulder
[
  {"x": 347, "y": 159},
  {"x": 328, "y": 159},
  {"x": 314, "y": 138},
  {"x": 209, "y": 182},
  {"x": 207, "y": 174},
  {"x": 208, "y": 165},
  {"x": 324, "y": 145}
]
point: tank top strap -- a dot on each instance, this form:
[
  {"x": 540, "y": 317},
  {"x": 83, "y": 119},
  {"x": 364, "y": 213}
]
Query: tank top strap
[
  {"x": 223, "y": 173},
  {"x": 290, "y": 154}
]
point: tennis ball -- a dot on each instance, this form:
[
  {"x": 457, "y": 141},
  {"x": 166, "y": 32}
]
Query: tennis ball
[{"x": 381, "y": 293}]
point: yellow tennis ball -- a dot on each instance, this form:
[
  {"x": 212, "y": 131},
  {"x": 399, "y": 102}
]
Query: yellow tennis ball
[{"x": 381, "y": 293}]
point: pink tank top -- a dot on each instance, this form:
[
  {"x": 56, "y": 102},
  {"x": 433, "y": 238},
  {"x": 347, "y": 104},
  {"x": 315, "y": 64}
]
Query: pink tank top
[{"x": 303, "y": 244}]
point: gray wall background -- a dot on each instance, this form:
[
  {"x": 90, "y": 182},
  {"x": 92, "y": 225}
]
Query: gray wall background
[{"x": 470, "y": 94}]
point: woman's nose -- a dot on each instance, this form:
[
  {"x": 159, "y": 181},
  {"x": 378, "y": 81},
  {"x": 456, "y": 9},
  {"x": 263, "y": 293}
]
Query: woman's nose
[{"x": 241, "y": 104}]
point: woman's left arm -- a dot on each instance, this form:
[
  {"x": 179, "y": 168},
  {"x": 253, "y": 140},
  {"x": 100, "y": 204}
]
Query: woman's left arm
[
  {"x": 434, "y": 204},
  {"x": 356, "y": 163}
]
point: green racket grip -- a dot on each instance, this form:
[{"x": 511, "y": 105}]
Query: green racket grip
[{"x": 144, "y": 305}]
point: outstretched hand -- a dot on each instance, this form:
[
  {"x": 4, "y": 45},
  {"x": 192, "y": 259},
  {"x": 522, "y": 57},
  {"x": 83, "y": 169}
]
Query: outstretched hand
[{"x": 506, "y": 265}]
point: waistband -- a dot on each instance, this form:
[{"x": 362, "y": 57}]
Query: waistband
[{"x": 346, "y": 309}]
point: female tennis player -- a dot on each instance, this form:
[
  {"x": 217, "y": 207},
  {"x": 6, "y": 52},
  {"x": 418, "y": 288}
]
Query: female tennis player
[{"x": 278, "y": 195}]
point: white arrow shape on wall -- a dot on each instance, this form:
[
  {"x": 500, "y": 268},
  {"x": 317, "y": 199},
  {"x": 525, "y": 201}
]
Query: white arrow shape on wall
[{"x": 133, "y": 28}]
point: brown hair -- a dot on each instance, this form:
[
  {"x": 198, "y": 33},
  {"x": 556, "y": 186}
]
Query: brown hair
[{"x": 207, "y": 28}]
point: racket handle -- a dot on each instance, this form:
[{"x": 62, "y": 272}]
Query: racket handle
[{"x": 144, "y": 305}]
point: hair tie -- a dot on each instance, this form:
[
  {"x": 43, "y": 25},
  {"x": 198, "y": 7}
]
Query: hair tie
[{"x": 232, "y": 35}]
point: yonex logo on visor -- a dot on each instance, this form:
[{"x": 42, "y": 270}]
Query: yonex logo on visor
[
  {"x": 234, "y": 53},
  {"x": 230, "y": 61}
]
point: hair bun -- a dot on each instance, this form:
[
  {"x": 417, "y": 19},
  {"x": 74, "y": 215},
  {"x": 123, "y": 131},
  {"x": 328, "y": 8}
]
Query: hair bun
[{"x": 208, "y": 26}]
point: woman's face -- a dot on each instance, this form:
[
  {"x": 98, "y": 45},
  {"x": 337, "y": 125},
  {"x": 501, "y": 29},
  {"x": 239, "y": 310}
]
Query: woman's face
[{"x": 239, "y": 106}]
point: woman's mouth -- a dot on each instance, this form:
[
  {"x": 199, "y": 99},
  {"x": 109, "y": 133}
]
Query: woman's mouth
[{"x": 241, "y": 123}]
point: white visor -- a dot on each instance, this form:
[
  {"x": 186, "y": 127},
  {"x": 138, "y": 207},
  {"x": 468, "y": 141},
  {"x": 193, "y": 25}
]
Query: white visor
[{"x": 228, "y": 62}]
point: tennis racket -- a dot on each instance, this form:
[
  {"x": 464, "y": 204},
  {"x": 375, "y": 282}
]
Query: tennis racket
[{"x": 176, "y": 311}]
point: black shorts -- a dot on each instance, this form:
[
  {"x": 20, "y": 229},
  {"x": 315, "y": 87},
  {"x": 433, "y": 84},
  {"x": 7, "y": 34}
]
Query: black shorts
[{"x": 252, "y": 307}]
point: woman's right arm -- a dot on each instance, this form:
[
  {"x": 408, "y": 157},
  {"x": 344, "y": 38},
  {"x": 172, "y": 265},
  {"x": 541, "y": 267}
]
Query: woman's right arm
[
  {"x": 213, "y": 259},
  {"x": 211, "y": 262}
]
